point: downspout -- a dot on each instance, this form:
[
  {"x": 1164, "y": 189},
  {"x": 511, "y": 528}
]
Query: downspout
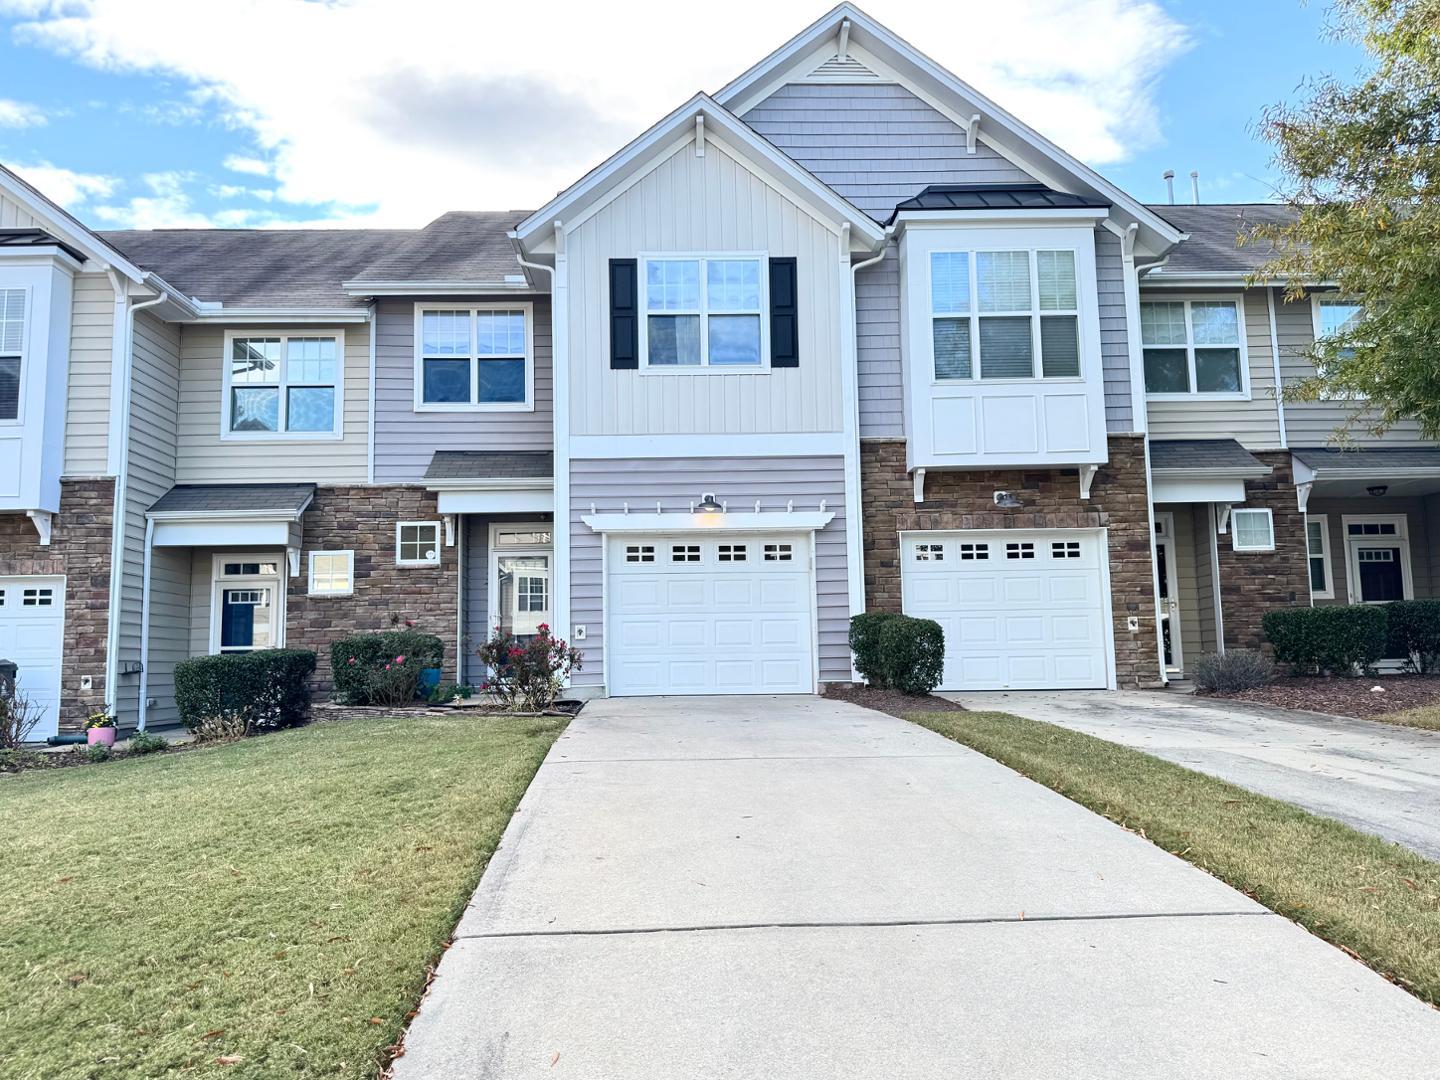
[
  {"x": 1275, "y": 357},
  {"x": 121, "y": 462},
  {"x": 143, "y": 706},
  {"x": 370, "y": 450}
]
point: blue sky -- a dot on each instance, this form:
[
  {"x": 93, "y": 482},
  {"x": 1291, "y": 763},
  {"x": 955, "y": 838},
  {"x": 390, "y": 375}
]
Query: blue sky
[{"x": 135, "y": 113}]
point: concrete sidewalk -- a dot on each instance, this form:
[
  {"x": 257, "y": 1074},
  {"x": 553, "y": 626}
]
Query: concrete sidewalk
[
  {"x": 796, "y": 888},
  {"x": 1376, "y": 777}
]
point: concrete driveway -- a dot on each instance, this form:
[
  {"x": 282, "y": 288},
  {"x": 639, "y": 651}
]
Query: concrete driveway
[
  {"x": 1376, "y": 777},
  {"x": 794, "y": 888}
]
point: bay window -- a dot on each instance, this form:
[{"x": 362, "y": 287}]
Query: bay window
[
  {"x": 704, "y": 312},
  {"x": 282, "y": 385},
  {"x": 477, "y": 357},
  {"x": 1193, "y": 347},
  {"x": 12, "y": 343}
]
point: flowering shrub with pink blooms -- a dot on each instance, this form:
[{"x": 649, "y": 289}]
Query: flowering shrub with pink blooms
[
  {"x": 383, "y": 668},
  {"x": 527, "y": 672}
]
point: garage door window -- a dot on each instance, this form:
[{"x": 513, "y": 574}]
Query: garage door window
[
  {"x": 733, "y": 553},
  {"x": 638, "y": 553},
  {"x": 38, "y": 598},
  {"x": 1020, "y": 551},
  {"x": 929, "y": 552},
  {"x": 778, "y": 552},
  {"x": 974, "y": 552},
  {"x": 685, "y": 553}
]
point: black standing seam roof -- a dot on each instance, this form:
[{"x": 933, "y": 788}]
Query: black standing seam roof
[
  {"x": 942, "y": 197},
  {"x": 213, "y": 498},
  {"x": 20, "y": 238}
]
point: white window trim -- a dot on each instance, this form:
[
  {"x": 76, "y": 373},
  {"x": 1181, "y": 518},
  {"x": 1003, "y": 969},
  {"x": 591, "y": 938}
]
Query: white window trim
[
  {"x": 1353, "y": 544},
  {"x": 473, "y": 405},
  {"x": 334, "y": 435},
  {"x": 1235, "y": 544},
  {"x": 310, "y": 583},
  {"x": 974, "y": 315},
  {"x": 1320, "y": 335},
  {"x": 27, "y": 320},
  {"x": 219, "y": 581},
  {"x": 1238, "y": 299},
  {"x": 704, "y": 367},
  {"x": 492, "y": 584},
  {"x": 439, "y": 538},
  {"x": 1323, "y": 520},
  {"x": 1164, "y": 524}
]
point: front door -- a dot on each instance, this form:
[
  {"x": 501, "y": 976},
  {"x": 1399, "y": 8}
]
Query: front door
[
  {"x": 1169, "y": 595},
  {"x": 1379, "y": 559},
  {"x": 1381, "y": 576},
  {"x": 521, "y": 592}
]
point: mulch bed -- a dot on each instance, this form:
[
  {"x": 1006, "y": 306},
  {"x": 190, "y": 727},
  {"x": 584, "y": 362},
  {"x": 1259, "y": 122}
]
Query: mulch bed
[
  {"x": 1344, "y": 697},
  {"x": 890, "y": 701},
  {"x": 330, "y": 710}
]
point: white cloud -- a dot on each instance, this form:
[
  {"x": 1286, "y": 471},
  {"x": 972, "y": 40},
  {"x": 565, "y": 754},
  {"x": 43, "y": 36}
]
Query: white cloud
[
  {"x": 390, "y": 113},
  {"x": 20, "y": 114},
  {"x": 167, "y": 206},
  {"x": 66, "y": 187}
]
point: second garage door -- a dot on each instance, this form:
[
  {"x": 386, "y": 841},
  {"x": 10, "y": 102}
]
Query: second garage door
[
  {"x": 32, "y": 634},
  {"x": 1020, "y": 610},
  {"x": 710, "y": 615}
]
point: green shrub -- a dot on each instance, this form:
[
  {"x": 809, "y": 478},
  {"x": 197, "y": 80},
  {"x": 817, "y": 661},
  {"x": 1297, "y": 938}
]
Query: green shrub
[
  {"x": 1415, "y": 632},
  {"x": 94, "y": 753},
  {"x": 448, "y": 692},
  {"x": 358, "y": 665},
  {"x": 865, "y": 644},
  {"x": 265, "y": 689},
  {"x": 1335, "y": 639},
  {"x": 912, "y": 652},
  {"x": 527, "y": 672},
  {"x": 142, "y": 742},
  {"x": 1233, "y": 670}
]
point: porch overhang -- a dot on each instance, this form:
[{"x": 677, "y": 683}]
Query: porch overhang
[
  {"x": 492, "y": 482},
  {"x": 232, "y": 515},
  {"x": 1202, "y": 470},
  {"x": 1374, "y": 471}
]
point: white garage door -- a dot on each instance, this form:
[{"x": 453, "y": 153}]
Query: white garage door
[
  {"x": 709, "y": 615},
  {"x": 32, "y": 633},
  {"x": 1020, "y": 610}
]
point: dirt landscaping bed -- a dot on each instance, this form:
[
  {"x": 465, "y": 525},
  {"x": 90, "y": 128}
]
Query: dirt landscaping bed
[
  {"x": 890, "y": 701},
  {"x": 1345, "y": 697}
]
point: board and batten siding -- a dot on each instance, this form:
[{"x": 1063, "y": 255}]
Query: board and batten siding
[
  {"x": 406, "y": 439},
  {"x": 1254, "y": 423},
  {"x": 206, "y": 458},
  {"x": 87, "y": 405},
  {"x": 877, "y": 144},
  {"x": 15, "y": 216},
  {"x": 675, "y": 484},
  {"x": 690, "y": 204}
]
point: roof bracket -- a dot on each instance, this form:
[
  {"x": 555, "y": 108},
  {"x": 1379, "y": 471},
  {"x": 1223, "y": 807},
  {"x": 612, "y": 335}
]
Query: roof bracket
[
  {"x": 42, "y": 519},
  {"x": 842, "y": 47},
  {"x": 292, "y": 558},
  {"x": 1087, "y": 477},
  {"x": 1224, "y": 518},
  {"x": 972, "y": 133},
  {"x": 699, "y": 134},
  {"x": 1127, "y": 242},
  {"x": 919, "y": 485},
  {"x": 1302, "y": 495},
  {"x": 449, "y": 520}
]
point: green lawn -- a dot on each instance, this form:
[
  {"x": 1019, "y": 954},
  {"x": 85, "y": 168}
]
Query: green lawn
[
  {"x": 1426, "y": 716},
  {"x": 276, "y": 900},
  {"x": 1373, "y": 898}
]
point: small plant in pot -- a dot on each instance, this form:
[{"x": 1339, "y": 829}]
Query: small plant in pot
[{"x": 100, "y": 729}]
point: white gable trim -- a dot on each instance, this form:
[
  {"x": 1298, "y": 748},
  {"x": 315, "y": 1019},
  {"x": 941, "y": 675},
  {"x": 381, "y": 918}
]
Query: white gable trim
[
  {"x": 608, "y": 180},
  {"x": 61, "y": 224}
]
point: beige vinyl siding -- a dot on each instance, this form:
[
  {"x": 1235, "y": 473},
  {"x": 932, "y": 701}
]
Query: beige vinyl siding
[
  {"x": 1194, "y": 579},
  {"x": 1203, "y": 542},
  {"x": 1417, "y": 511},
  {"x": 202, "y": 570},
  {"x": 1318, "y": 423},
  {"x": 206, "y": 458},
  {"x": 1255, "y": 423},
  {"x": 690, "y": 204},
  {"x": 87, "y": 406}
]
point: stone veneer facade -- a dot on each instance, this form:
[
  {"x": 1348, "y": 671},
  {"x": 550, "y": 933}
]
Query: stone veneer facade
[
  {"x": 1050, "y": 499},
  {"x": 79, "y": 550},
  {"x": 1254, "y": 582},
  {"x": 363, "y": 519}
]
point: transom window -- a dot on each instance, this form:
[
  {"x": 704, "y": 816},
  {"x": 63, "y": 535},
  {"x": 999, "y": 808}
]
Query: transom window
[
  {"x": 417, "y": 543},
  {"x": 283, "y": 385},
  {"x": 778, "y": 553},
  {"x": 1252, "y": 530},
  {"x": 1015, "y": 312},
  {"x": 477, "y": 357},
  {"x": 1193, "y": 347},
  {"x": 522, "y": 537},
  {"x": 12, "y": 344},
  {"x": 249, "y": 569},
  {"x": 332, "y": 573},
  {"x": 704, "y": 312},
  {"x": 1372, "y": 528}
]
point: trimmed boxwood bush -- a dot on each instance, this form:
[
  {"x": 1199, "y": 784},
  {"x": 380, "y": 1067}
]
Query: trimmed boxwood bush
[
  {"x": 865, "y": 644},
  {"x": 897, "y": 652},
  {"x": 1415, "y": 631},
  {"x": 1233, "y": 670},
  {"x": 265, "y": 689},
  {"x": 356, "y": 659},
  {"x": 1334, "y": 639}
]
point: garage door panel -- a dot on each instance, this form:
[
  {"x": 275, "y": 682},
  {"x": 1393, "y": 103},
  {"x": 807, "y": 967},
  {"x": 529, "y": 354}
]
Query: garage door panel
[
  {"x": 681, "y": 594},
  {"x": 1072, "y": 590},
  {"x": 640, "y": 633},
  {"x": 685, "y": 633},
  {"x": 1073, "y": 628},
  {"x": 32, "y": 633},
  {"x": 1023, "y": 629},
  {"x": 1022, "y": 590},
  {"x": 780, "y": 631},
  {"x": 735, "y": 592},
  {"x": 637, "y": 594},
  {"x": 734, "y": 633}
]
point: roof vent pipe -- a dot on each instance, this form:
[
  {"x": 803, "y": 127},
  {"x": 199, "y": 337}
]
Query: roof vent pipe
[
  {"x": 1195, "y": 186},
  {"x": 1169, "y": 177}
]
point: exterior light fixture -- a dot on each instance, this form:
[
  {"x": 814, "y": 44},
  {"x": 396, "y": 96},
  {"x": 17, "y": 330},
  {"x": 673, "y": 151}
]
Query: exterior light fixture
[
  {"x": 708, "y": 505},
  {"x": 1377, "y": 490},
  {"x": 1006, "y": 500}
]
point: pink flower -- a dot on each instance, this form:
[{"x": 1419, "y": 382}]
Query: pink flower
[
  {"x": 409, "y": 622},
  {"x": 387, "y": 667},
  {"x": 399, "y": 659},
  {"x": 352, "y": 659}
]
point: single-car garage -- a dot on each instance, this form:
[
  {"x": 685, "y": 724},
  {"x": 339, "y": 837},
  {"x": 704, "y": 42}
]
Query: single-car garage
[
  {"x": 1020, "y": 609},
  {"x": 710, "y": 613},
  {"x": 32, "y": 634}
]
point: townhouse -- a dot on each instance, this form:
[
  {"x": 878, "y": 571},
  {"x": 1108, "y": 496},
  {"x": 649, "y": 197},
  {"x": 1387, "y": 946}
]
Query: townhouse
[{"x": 845, "y": 335}]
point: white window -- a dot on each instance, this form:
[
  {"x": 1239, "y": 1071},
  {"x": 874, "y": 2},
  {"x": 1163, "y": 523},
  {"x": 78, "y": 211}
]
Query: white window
[
  {"x": 417, "y": 543},
  {"x": 1020, "y": 551},
  {"x": 332, "y": 573},
  {"x": 246, "y": 604},
  {"x": 531, "y": 593},
  {"x": 704, "y": 312},
  {"x": 37, "y": 598},
  {"x": 1005, "y": 314},
  {"x": 1334, "y": 315},
  {"x": 12, "y": 351},
  {"x": 280, "y": 385},
  {"x": 1252, "y": 530},
  {"x": 478, "y": 357},
  {"x": 1065, "y": 549},
  {"x": 1317, "y": 551},
  {"x": 1194, "y": 347}
]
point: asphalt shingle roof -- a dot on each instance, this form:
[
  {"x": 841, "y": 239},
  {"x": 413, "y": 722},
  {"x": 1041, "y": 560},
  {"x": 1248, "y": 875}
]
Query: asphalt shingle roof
[
  {"x": 995, "y": 197},
  {"x": 192, "y": 498},
  {"x": 458, "y": 246},
  {"x": 491, "y": 465},
  {"x": 1369, "y": 459},
  {"x": 1214, "y": 230},
  {"x": 1212, "y": 454}
]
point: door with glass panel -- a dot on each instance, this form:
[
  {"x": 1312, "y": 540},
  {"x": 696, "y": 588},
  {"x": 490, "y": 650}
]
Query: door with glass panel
[
  {"x": 246, "y": 603},
  {"x": 1170, "y": 636},
  {"x": 521, "y": 588}
]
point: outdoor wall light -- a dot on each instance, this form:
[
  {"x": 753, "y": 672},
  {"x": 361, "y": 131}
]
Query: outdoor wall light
[
  {"x": 1378, "y": 490},
  {"x": 1007, "y": 500},
  {"x": 708, "y": 505}
]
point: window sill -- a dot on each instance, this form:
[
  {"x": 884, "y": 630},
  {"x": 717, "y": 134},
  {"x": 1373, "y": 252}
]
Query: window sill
[
  {"x": 958, "y": 384},
  {"x": 1242, "y": 396},
  {"x": 282, "y": 436},
  {"x": 705, "y": 369},
  {"x": 1251, "y": 550},
  {"x": 331, "y": 595},
  {"x": 464, "y": 407},
  {"x": 410, "y": 565}
]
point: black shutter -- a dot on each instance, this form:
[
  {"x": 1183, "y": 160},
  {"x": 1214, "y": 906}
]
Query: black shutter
[
  {"x": 784, "y": 322},
  {"x": 624, "y": 315}
]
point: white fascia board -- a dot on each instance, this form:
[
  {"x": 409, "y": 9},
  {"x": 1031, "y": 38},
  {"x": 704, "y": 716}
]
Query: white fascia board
[
  {"x": 595, "y": 185},
  {"x": 67, "y": 227},
  {"x": 42, "y": 254},
  {"x": 918, "y": 71},
  {"x": 251, "y": 316},
  {"x": 531, "y": 500},
  {"x": 778, "y": 521},
  {"x": 435, "y": 288},
  {"x": 272, "y": 533},
  {"x": 1196, "y": 490},
  {"x": 1057, "y": 216}
]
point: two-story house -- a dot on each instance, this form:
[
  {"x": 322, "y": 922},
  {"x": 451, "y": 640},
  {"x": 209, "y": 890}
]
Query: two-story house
[{"x": 844, "y": 335}]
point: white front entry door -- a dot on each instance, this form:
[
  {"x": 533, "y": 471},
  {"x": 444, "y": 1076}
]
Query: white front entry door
[
  {"x": 32, "y": 634},
  {"x": 709, "y": 614},
  {"x": 1020, "y": 610}
]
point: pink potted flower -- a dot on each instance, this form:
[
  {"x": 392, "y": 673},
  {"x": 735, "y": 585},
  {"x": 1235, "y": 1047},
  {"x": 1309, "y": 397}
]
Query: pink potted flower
[{"x": 100, "y": 729}]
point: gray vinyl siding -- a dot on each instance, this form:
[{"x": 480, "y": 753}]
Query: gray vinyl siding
[
  {"x": 1317, "y": 423},
  {"x": 877, "y": 144},
  {"x": 154, "y": 413},
  {"x": 675, "y": 484},
  {"x": 476, "y": 595},
  {"x": 87, "y": 406},
  {"x": 1424, "y": 574},
  {"x": 1114, "y": 338},
  {"x": 405, "y": 439},
  {"x": 877, "y": 346}
]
